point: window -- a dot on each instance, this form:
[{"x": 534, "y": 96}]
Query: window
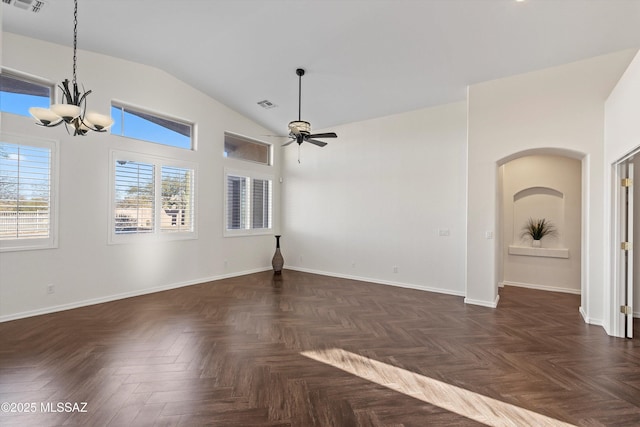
[
  {"x": 19, "y": 93},
  {"x": 176, "y": 199},
  {"x": 135, "y": 189},
  {"x": 152, "y": 196},
  {"x": 248, "y": 201},
  {"x": 27, "y": 190},
  {"x": 241, "y": 147},
  {"x": 146, "y": 126}
]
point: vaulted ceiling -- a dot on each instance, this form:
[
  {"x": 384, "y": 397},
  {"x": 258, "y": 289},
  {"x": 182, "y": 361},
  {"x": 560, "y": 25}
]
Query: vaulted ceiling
[{"x": 364, "y": 58}]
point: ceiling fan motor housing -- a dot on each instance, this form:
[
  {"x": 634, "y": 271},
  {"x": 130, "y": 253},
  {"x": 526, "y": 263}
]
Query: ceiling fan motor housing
[{"x": 300, "y": 126}]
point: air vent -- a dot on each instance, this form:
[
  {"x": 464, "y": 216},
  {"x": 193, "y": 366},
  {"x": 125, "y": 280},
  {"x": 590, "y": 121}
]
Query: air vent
[
  {"x": 267, "y": 104},
  {"x": 34, "y": 6}
]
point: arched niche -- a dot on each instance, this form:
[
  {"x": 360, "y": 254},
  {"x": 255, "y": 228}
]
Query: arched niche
[{"x": 537, "y": 203}]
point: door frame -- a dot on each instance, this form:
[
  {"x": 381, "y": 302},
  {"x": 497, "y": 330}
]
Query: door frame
[{"x": 622, "y": 325}]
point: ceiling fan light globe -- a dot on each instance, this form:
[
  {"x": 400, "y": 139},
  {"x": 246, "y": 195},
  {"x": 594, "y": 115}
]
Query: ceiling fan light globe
[{"x": 300, "y": 126}]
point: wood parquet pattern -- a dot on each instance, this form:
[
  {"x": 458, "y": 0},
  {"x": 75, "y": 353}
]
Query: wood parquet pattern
[{"x": 235, "y": 353}]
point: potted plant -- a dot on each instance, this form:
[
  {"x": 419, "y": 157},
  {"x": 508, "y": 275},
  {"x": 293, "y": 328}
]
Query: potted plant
[{"x": 536, "y": 229}]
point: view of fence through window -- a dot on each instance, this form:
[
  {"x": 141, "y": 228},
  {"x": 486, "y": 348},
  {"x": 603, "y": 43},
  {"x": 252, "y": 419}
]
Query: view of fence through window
[{"x": 25, "y": 185}]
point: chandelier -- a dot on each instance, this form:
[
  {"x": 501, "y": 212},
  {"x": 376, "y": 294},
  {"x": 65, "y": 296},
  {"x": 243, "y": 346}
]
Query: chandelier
[{"x": 72, "y": 111}]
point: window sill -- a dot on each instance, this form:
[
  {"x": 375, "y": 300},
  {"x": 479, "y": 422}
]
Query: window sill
[
  {"x": 119, "y": 239},
  {"x": 30, "y": 246},
  {"x": 539, "y": 252}
]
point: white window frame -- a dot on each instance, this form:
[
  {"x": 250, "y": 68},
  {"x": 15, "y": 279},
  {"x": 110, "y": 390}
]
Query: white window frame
[
  {"x": 247, "y": 231},
  {"x": 51, "y": 242},
  {"x": 157, "y": 234}
]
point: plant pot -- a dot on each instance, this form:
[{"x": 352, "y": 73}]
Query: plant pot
[{"x": 536, "y": 243}]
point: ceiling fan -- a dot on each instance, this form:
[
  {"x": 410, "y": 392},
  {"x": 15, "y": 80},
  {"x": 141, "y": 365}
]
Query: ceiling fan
[{"x": 299, "y": 130}]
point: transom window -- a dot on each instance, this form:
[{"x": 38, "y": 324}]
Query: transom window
[
  {"x": 18, "y": 93},
  {"x": 27, "y": 193},
  {"x": 243, "y": 148},
  {"x": 152, "y": 196},
  {"x": 151, "y": 127}
]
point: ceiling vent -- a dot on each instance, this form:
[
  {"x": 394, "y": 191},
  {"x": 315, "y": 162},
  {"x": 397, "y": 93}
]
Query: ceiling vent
[
  {"x": 34, "y": 6},
  {"x": 267, "y": 104}
]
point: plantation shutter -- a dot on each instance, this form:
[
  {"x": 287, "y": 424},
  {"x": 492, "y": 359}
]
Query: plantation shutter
[
  {"x": 134, "y": 197},
  {"x": 237, "y": 208},
  {"x": 261, "y": 201},
  {"x": 177, "y": 199},
  {"x": 25, "y": 191}
]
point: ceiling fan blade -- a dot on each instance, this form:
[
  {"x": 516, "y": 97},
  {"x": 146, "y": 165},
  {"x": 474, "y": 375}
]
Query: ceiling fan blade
[
  {"x": 324, "y": 135},
  {"x": 316, "y": 142},
  {"x": 288, "y": 142}
]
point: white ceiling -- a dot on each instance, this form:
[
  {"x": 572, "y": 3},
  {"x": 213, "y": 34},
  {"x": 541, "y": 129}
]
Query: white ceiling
[{"x": 364, "y": 58}]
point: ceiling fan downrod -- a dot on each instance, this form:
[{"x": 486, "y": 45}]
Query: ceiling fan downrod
[{"x": 300, "y": 73}]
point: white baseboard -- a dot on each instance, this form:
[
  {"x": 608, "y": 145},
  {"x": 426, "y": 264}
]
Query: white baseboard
[
  {"x": 379, "y": 281},
  {"x": 490, "y": 304},
  {"x": 589, "y": 320},
  {"x": 124, "y": 295},
  {"x": 541, "y": 287},
  {"x": 584, "y": 315}
]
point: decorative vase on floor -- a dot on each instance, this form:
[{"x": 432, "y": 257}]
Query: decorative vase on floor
[{"x": 277, "y": 262}]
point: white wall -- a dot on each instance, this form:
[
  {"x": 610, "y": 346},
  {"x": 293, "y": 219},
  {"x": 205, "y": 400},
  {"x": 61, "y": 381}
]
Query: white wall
[
  {"x": 377, "y": 196},
  {"x": 84, "y": 268},
  {"x": 622, "y": 136},
  {"x": 558, "y": 110},
  {"x": 563, "y": 208}
]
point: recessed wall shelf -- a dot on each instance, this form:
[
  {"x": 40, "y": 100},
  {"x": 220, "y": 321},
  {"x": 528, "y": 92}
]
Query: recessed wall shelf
[{"x": 541, "y": 252}]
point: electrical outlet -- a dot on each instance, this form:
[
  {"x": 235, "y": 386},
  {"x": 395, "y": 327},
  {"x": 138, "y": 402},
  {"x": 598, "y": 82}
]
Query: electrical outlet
[
  {"x": 395, "y": 268},
  {"x": 51, "y": 289},
  {"x": 353, "y": 265},
  {"x": 226, "y": 263}
]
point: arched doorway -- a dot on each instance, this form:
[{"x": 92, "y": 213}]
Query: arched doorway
[{"x": 542, "y": 184}]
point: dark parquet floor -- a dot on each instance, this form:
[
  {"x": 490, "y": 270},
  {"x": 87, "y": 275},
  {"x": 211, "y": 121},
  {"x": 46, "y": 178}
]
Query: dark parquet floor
[{"x": 309, "y": 350}]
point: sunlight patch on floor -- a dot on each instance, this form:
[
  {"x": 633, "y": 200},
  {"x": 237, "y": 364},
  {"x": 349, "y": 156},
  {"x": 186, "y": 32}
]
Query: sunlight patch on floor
[{"x": 469, "y": 404}]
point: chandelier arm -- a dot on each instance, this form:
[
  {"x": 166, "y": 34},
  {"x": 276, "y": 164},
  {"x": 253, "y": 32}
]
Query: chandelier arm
[
  {"x": 82, "y": 100},
  {"x": 50, "y": 125},
  {"x": 66, "y": 93}
]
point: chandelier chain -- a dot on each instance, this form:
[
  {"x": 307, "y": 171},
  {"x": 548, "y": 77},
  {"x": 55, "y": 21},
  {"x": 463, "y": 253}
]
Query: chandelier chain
[{"x": 75, "y": 38}]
